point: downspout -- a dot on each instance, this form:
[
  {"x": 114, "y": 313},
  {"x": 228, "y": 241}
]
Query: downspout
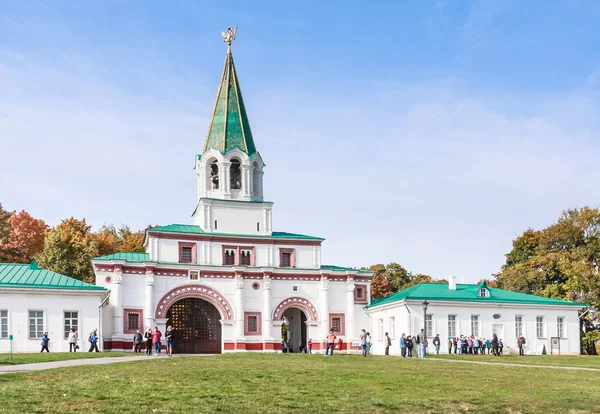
[
  {"x": 101, "y": 334},
  {"x": 409, "y": 319}
]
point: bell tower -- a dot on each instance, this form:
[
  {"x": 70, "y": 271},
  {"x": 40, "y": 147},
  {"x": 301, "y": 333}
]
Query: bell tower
[{"x": 230, "y": 168}]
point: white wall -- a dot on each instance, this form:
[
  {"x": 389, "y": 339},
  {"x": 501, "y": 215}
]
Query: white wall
[
  {"x": 53, "y": 304},
  {"x": 411, "y": 323}
]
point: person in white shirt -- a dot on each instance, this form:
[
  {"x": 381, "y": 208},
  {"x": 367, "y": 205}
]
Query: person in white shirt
[{"x": 72, "y": 339}]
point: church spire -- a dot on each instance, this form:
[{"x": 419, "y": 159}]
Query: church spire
[{"x": 229, "y": 127}]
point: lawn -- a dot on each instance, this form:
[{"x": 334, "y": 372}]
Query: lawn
[
  {"x": 299, "y": 383},
  {"x": 18, "y": 359},
  {"x": 584, "y": 361}
]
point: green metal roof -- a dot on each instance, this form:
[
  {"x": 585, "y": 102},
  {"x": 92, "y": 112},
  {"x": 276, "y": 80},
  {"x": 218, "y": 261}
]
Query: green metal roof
[
  {"x": 229, "y": 127},
  {"x": 467, "y": 293},
  {"x": 30, "y": 276},
  {"x": 193, "y": 229}
]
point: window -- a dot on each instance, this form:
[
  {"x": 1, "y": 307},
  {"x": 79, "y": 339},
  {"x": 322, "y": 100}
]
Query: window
[
  {"x": 518, "y": 326},
  {"x": 229, "y": 257},
  {"x": 429, "y": 326},
  {"x": 475, "y": 325},
  {"x": 236, "y": 175},
  {"x": 71, "y": 321},
  {"x": 252, "y": 323},
  {"x": 36, "y": 324},
  {"x": 483, "y": 293},
  {"x": 380, "y": 331},
  {"x": 194, "y": 275},
  {"x": 133, "y": 321},
  {"x": 3, "y": 324},
  {"x": 337, "y": 322},
  {"x": 216, "y": 227},
  {"x": 295, "y": 288},
  {"x": 214, "y": 175},
  {"x": 360, "y": 294},
  {"x": 539, "y": 327},
  {"x": 245, "y": 258},
  {"x": 257, "y": 226},
  {"x": 287, "y": 258},
  {"x": 392, "y": 327},
  {"x": 560, "y": 327},
  {"x": 452, "y": 326},
  {"x": 187, "y": 252}
]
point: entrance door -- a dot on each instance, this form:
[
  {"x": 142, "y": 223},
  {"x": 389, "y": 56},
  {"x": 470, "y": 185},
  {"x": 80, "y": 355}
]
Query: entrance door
[
  {"x": 497, "y": 329},
  {"x": 197, "y": 327}
]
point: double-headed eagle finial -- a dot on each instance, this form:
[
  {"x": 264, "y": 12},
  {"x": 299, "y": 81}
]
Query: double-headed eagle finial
[{"x": 229, "y": 35}]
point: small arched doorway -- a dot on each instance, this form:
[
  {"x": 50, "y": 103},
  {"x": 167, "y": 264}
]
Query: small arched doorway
[
  {"x": 294, "y": 330},
  {"x": 197, "y": 326}
]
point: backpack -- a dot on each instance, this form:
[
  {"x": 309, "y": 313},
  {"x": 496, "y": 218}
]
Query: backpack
[
  {"x": 418, "y": 339},
  {"x": 523, "y": 341}
]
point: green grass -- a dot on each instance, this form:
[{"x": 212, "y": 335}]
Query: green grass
[
  {"x": 583, "y": 361},
  {"x": 19, "y": 359},
  {"x": 299, "y": 383}
]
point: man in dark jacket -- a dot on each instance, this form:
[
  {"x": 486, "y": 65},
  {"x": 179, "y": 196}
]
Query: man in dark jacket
[
  {"x": 45, "y": 341},
  {"x": 93, "y": 341},
  {"x": 436, "y": 343},
  {"x": 137, "y": 342}
]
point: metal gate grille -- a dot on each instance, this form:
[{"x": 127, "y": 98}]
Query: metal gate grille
[{"x": 197, "y": 327}]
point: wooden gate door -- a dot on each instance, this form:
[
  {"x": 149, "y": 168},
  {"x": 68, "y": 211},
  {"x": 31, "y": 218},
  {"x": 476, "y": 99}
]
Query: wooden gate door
[{"x": 197, "y": 327}]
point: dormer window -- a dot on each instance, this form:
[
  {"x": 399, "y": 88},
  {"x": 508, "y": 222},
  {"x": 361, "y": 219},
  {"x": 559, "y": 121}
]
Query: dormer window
[{"x": 483, "y": 293}]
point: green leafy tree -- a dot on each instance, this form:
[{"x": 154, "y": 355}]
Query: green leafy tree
[
  {"x": 68, "y": 249},
  {"x": 4, "y": 224},
  {"x": 561, "y": 261},
  {"x": 122, "y": 239}
]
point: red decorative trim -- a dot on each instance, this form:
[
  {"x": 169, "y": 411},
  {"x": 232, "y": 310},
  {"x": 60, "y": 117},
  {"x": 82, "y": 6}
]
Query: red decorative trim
[
  {"x": 126, "y": 313},
  {"x": 240, "y": 346},
  {"x": 363, "y": 278},
  {"x": 258, "y": 323},
  {"x": 186, "y": 244},
  {"x": 171, "y": 272},
  {"x": 134, "y": 270},
  {"x": 229, "y": 346},
  {"x": 272, "y": 346},
  {"x": 105, "y": 268},
  {"x": 360, "y": 294},
  {"x": 194, "y": 291},
  {"x": 282, "y": 276},
  {"x": 292, "y": 253},
  {"x": 296, "y": 302},
  {"x": 254, "y": 346},
  {"x": 233, "y": 240},
  {"x": 342, "y": 317}
]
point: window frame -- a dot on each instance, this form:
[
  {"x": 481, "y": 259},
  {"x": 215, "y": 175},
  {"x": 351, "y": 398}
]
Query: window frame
[
  {"x": 485, "y": 291},
  {"x": 560, "y": 332},
  {"x": 66, "y": 331},
  {"x": 452, "y": 334},
  {"x": 543, "y": 326},
  {"x": 43, "y": 318},
  {"x": 476, "y": 320},
  {"x": 191, "y": 245},
  {"x": 342, "y": 317},
  {"x": 392, "y": 327},
  {"x": 380, "y": 329},
  {"x": 237, "y": 250},
  {"x": 258, "y": 316},
  {"x": 519, "y": 325},
  {"x": 292, "y": 253},
  {"x": 429, "y": 326},
  {"x": 7, "y": 324},
  {"x": 140, "y": 313}
]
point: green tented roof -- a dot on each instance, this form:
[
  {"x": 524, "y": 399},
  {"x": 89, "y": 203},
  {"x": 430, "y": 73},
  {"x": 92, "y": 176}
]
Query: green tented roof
[
  {"x": 30, "y": 276},
  {"x": 229, "y": 127},
  {"x": 135, "y": 257},
  {"x": 467, "y": 293},
  {"x": 193, "y": 229}
]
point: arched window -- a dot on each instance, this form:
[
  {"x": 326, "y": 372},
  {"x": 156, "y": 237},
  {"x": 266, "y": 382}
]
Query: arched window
[
  {"x": 236, "y": 175},
  {"x": 214, "y": 175},
  {"x": 483, "y": 293}
]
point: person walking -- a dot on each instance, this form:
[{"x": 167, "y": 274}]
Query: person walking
[
  {"x": 148, "y": 338},
  {"x": 521, "y": 344},
  {"x": 500, "y": 347},
  {"x": 449, "y": 346},
  {"x": 93, "y": 340},
  {"x": 422, "y": 343},
  {"x": 409, "y": 346},
  {"x": 403, "y": 345},
  {"x": 363, "y": 342},
  {"x": 156, "y": 336},
  {"x": 169, "y": 337},
  {"x": 495, "y": 345},
  {"x": 488, "y": 345},
  {"x": 388, "y": 343},
  {"x": 45, "y": 341},
  {"x": 137, "y": 342},
  {"x": 330, "y": 343},
  {"x": 437, "y": 343},
  {"x": 72, "y": 339}
]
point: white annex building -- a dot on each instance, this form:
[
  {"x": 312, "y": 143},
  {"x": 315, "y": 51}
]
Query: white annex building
[
  {"x": 452, "y": 310},
  {"x": 228, "y": 282}
]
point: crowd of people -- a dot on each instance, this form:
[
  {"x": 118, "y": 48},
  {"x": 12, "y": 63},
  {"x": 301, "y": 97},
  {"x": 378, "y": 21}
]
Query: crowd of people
[{"x": 474, "y": 346}]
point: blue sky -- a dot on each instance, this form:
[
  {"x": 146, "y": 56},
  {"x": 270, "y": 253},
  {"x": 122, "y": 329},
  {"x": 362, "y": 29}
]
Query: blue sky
[{"x": 429, "y": 133}]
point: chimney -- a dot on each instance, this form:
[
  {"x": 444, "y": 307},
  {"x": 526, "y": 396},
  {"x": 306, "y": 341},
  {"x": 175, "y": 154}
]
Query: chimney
[{"x": 452, "y": 283}]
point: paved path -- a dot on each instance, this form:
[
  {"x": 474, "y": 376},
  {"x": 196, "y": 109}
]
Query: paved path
[
  {"x": 507, "y": 364},
  {"x": 40, "y": 366}
]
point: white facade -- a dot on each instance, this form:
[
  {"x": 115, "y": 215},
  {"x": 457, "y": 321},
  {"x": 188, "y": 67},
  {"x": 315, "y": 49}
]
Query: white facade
[
  {"x": 408, "y": 317},
  {"x": 50, "y": 305}
]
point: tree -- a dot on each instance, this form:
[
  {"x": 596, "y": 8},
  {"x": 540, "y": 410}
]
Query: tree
[
  {"x": 561, "y": 261},
  {"x": 380, "y": 286},
  {"x": 68, "y": 249},
  {"x": 112, "y": 240},
  {"x": 25, "y": 238},
  {"x": 4, "y": 224}
]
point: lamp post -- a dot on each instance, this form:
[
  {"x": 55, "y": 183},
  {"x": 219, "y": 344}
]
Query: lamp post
[{"x": 425, "y": 304}]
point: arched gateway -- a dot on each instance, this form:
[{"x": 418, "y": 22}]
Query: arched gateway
[{"x": 195, "y": 312}]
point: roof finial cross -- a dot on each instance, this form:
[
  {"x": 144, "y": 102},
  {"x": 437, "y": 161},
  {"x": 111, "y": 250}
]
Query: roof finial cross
[{"x": 229, "y": 35}]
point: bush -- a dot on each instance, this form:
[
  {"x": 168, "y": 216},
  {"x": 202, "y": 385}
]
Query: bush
[{"x": 588, "y": 342}]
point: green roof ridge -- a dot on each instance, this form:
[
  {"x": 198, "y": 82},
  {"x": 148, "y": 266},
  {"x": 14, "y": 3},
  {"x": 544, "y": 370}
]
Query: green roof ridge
[
  {"x": 229, "y": 126},
  {"x": 195, "y": 229},
  {"x": 19, "y": 275},
  {"x": 467, "y": 293}
]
